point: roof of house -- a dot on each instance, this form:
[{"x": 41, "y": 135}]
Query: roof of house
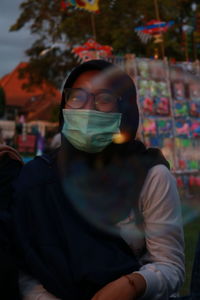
[
  {"x": 17, "y": 96},
  {"x": 39, "y": 108}
]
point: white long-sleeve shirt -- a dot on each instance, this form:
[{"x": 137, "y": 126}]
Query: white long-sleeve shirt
[{"x": 159, "y": 246}]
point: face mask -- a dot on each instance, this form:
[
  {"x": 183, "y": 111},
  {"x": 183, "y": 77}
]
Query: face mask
[{"x": 89, "y": 130}]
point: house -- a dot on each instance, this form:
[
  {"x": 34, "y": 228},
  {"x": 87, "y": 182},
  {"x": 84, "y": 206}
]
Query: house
[{"x": 36, "y": 103}]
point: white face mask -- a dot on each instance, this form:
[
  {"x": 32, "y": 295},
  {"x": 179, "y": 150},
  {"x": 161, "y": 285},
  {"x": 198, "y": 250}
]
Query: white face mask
[{"x": 90, "y": 130}]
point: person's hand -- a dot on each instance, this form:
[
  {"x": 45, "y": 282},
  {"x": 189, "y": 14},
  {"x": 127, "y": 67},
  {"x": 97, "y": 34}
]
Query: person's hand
[
  {"x": 39, "y": 293},
  {"x": 119, "y": 289},
  {"x": 122, "y": 289},
  {"x": 47, "y": 296}
]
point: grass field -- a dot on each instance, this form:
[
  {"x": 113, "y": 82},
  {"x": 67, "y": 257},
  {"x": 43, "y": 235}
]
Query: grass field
[{"x": 191, "y": 218}]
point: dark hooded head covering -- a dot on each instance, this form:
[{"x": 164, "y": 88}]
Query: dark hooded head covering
[{"x": 120, "y": 82}]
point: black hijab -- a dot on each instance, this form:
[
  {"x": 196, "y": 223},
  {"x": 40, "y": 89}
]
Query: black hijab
[{"x": 120, "y": 82}]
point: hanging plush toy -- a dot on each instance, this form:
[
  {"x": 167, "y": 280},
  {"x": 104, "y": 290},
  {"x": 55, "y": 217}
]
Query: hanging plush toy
[
  {"x": 180, "y": 109},
  {"x": 144, "y": 88},
  {"x": 195, "y": 128},
  {"x": 192, "y": 180},
  {"x": 149, "y": 126},
  {"x": 162, "y": 89},
  {"x": 157, "y": 69},
  {"x": 194, "y": 91},
  {"x": 178, "y": 90},
  {"x": 180, "y": 182},
  {"x": 193, "y": 165},
  {"x": 153, "y": 88},
  {"x": 182, "y": 127},
  {"x": 182, "y": 164},
  {"x": 143, "y": 69},
  {"x": 194, "y": 108},
  {"x": 162, "y": 106},
  {"x": 164, "y": 127},
  {"x": 148, "y": 105}
]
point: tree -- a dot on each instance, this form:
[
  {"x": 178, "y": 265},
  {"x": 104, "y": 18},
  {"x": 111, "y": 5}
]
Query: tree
[{"x": 114, "y": 26}]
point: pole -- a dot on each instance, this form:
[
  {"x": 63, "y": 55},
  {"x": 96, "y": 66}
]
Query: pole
[
  {"x": 174, "y": 150},
  {"x": 194, "y": 48},
  {"x": 93, "y": 26},
  {"x": 186, "y": 47},
  {"x": 157, "y": 10},
  {"x": 158, "y": 18}
]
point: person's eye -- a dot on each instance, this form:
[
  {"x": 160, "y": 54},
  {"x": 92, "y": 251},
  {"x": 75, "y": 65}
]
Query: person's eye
[
  {"x": 76, "y": 99},
  {"x": 76, "y": 96},
  {"x": 105, "y": 99},
  {"x": 106, "y": 102}
]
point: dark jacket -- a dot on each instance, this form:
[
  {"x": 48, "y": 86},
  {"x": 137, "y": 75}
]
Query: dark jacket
[
  {"x": 71, "y": 258},
  {"x": 10, "y": 165}
]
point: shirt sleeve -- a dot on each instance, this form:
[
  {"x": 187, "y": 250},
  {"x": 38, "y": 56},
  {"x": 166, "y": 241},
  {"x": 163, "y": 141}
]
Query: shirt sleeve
[
  {"x": 163, "y": 261},
  {"x": 31, "y": 289}
]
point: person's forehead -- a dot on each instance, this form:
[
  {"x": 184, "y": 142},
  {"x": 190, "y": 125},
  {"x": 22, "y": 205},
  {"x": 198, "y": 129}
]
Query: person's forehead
[{"x": 93, "y": 80}]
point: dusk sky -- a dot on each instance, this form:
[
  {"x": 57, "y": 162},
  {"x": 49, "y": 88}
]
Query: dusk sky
[{"x": 12, "y": 44}]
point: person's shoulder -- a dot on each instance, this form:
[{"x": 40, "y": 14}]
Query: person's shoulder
[
  {"x": 159, "y": 189},
  {"x": 153, "y": 157},
  {"x": 35, "y": 172},
  {"x": 10, "y": 163},
  {"x": 160, "y": 173},
  {"x": 159, "y": 179},
  {"x": 160, "y": 170}
]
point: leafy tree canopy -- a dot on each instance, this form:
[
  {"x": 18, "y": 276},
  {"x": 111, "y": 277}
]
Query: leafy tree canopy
[{"x": 114, "y": 26}]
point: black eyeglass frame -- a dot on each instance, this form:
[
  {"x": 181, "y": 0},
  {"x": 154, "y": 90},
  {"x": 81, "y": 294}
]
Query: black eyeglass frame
[{"x": 101, "y": 91}]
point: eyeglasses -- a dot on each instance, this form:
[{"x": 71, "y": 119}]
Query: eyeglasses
[{"x": 104, "y": 100}]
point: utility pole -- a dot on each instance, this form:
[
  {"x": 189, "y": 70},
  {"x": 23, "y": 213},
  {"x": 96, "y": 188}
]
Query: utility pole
[
  {"x": 93, "y": 26},
  {"x": 158, "y": 19}
]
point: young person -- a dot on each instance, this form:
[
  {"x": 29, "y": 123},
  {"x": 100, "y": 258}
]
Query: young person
[{"x": 100, "y": 218}]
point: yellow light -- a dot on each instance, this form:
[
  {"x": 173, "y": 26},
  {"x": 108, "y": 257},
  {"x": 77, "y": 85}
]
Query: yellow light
[{"x": 120, "y": 138}]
